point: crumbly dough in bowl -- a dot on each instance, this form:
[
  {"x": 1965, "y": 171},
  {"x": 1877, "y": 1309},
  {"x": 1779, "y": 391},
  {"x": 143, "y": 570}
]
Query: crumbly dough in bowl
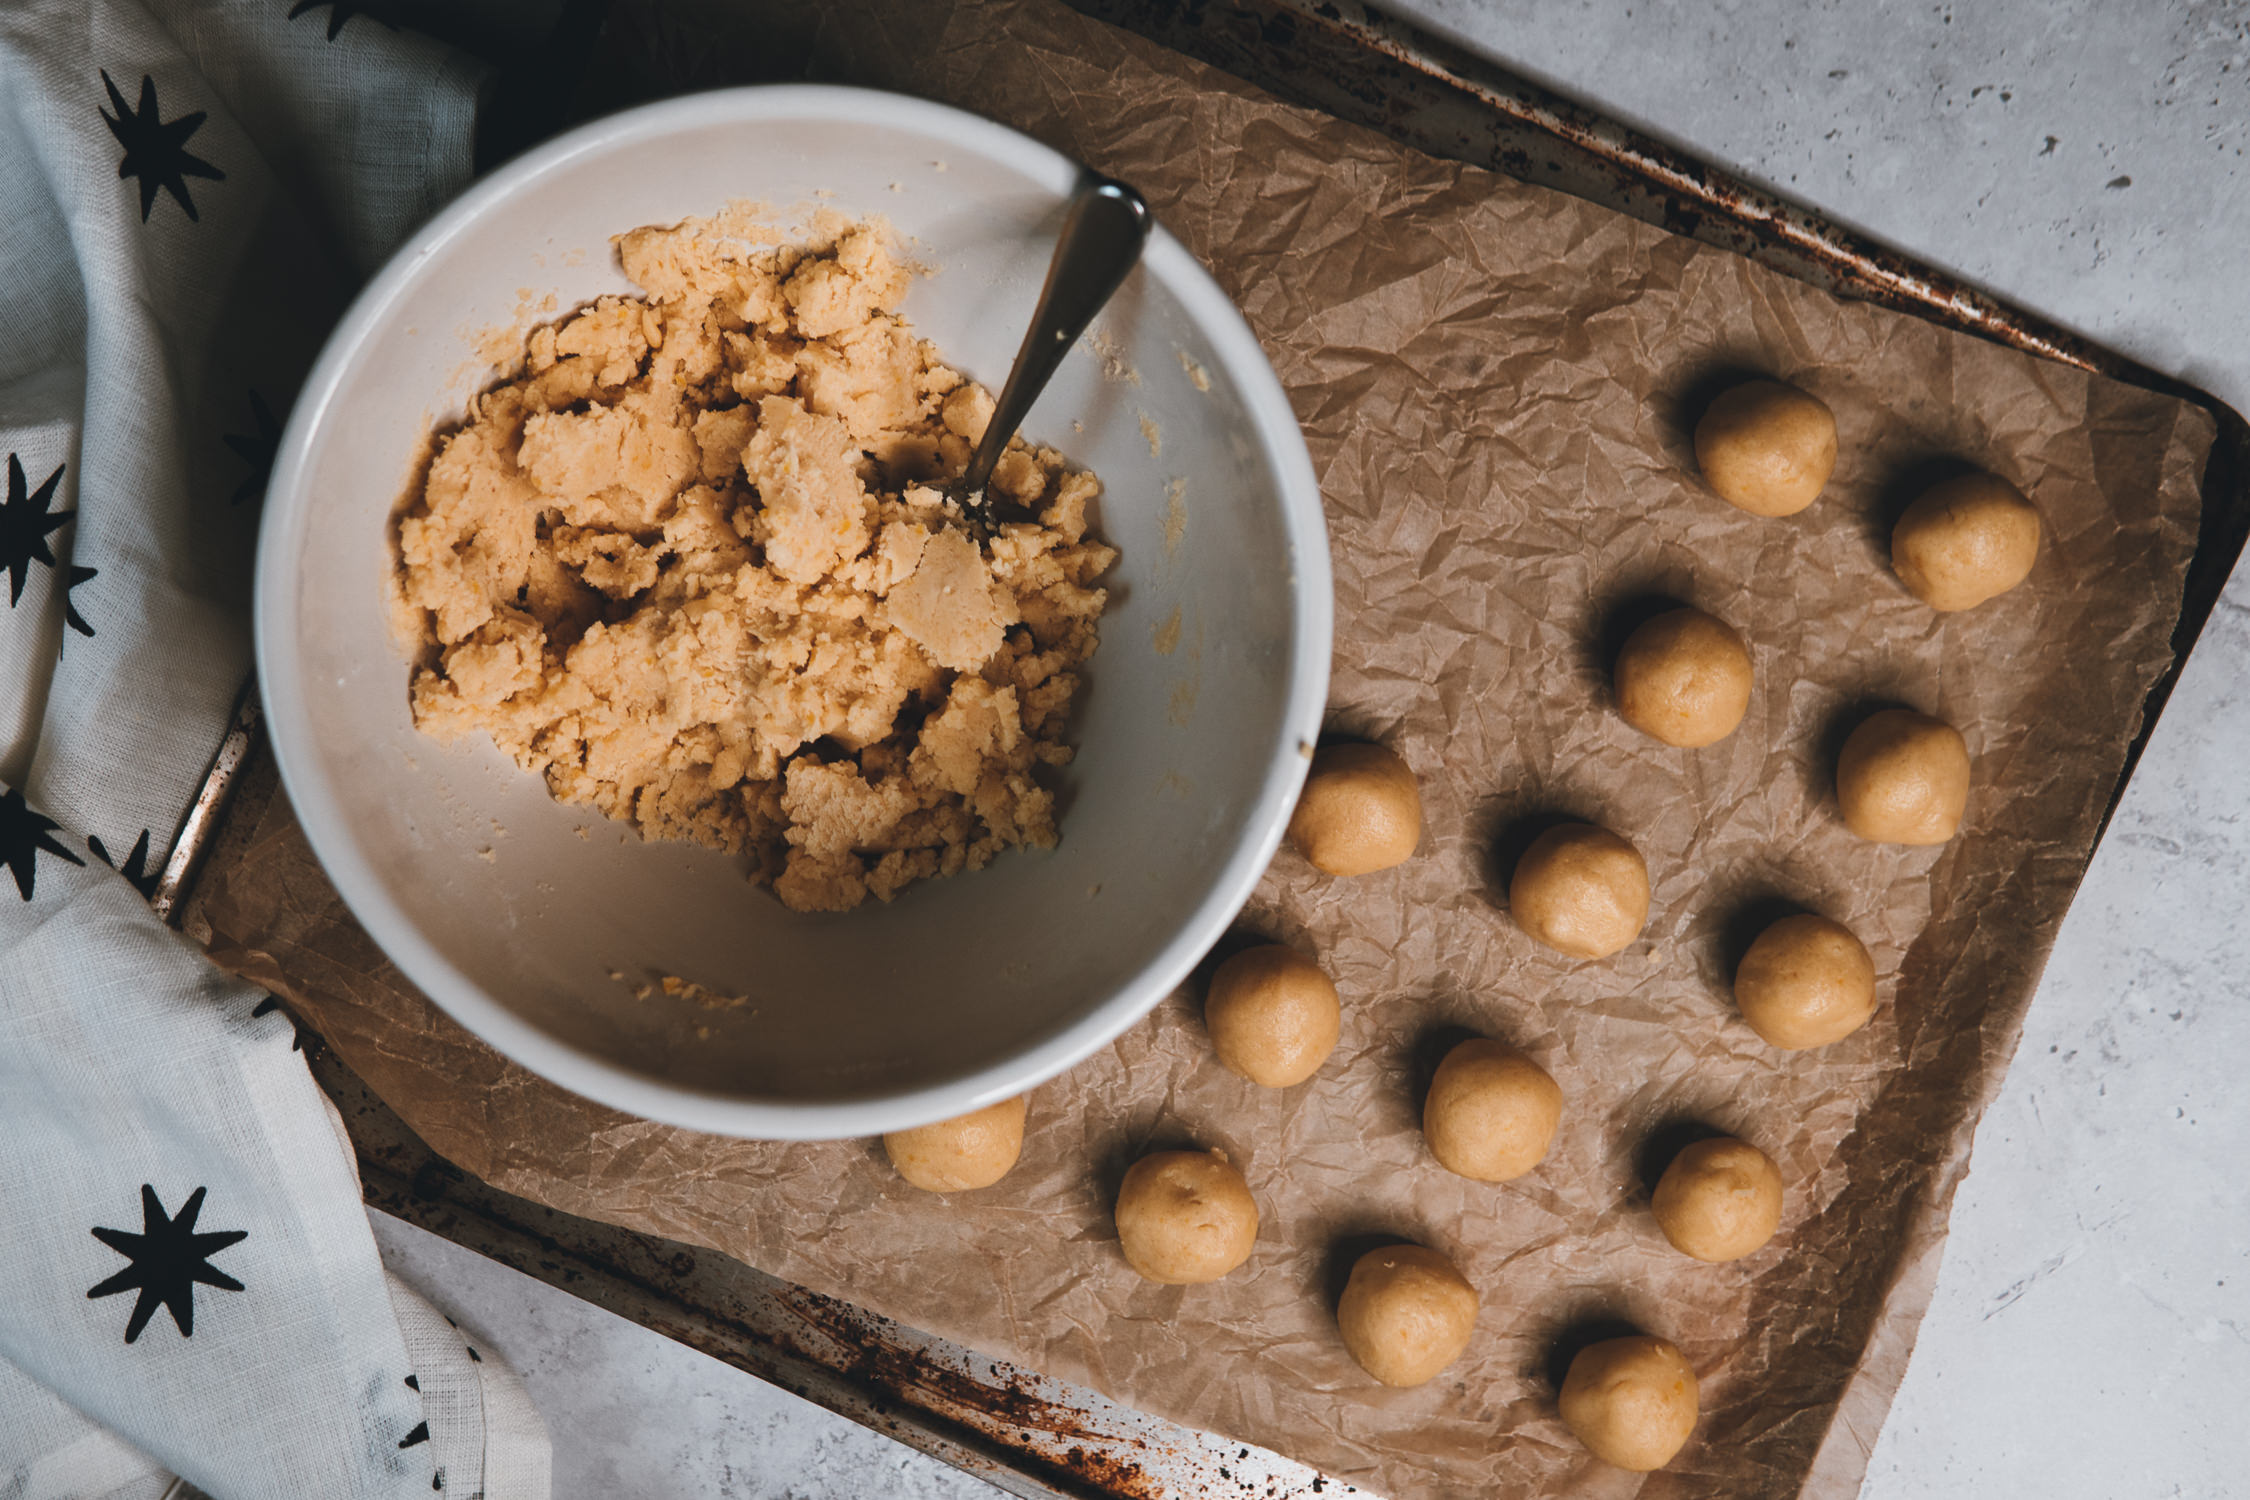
[{"x": 693, "y": 564}]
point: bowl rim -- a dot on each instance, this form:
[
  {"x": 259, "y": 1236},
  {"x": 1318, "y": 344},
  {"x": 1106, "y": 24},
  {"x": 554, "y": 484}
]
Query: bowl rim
[{"x": 286, "y": 521}]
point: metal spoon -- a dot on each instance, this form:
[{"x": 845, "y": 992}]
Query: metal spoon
[{"x": 1102, "y": 235}]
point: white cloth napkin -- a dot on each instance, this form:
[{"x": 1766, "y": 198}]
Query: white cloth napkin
[{"x": 188, "y": 191}]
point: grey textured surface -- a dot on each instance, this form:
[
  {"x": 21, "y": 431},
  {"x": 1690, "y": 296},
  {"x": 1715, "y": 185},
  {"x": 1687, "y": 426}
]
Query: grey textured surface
[{"x": 2091, "y": 1331}]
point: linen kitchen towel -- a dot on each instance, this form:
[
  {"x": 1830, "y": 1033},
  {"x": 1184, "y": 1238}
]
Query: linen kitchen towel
[{"x": 188, "y": 193}]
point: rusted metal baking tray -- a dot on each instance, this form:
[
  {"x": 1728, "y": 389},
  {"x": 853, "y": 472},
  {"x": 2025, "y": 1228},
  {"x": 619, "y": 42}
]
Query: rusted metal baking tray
[{"x": 1025, "y": 1433}]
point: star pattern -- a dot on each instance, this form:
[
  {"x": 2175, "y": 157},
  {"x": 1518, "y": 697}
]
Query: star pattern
[
  {"x": 23, "y": 838},
  {"x": 156, "y": 148},
  {"x": 25, "y": 525},
  {"x": 135, "y": 869},
  {"x": 72, "y": 577},
  {"x": 298, "y": 1039},
  {"x": 340, "y": 11},
  {"x": 255, "y": 448},
  {"x": 167, "y": 1259}
]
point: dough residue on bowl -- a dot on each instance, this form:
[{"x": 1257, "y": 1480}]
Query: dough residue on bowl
[{"x": 695, "y": 567}]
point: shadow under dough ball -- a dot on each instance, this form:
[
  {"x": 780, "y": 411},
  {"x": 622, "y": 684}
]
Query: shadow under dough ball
[
  {"x": 1185, "y": 1217},
  {"x": 1805, "y": 982},
  {"x": 1684, "y": 678},
  {"x": 1767, "y": 448},
  {"x": 1903, "y": 778},
  {"x": 1965, "y": 541},
  {"x": 974, "y": 1150},
  {"x": 1631, "y": 1401},
  {"x": 1273, "y": 1015},
  {"x": 1581, "y": 890},
  {"x": 1406, "y": 1313},
  {"x": 1719, "y": 1200},
  {"x": 1492, "y": 1112},
  {"x": 1360, "y": 811}
]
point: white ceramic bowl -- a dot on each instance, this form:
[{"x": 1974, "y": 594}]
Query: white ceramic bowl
[{"x": 513, "y": 912}]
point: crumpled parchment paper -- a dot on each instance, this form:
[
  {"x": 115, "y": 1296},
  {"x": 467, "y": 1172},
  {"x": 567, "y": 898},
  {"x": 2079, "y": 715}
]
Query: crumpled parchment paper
[{"x": 1497, "y": 383}]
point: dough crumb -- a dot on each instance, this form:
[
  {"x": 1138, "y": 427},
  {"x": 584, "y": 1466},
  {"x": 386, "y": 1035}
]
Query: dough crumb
[
  {"x": 673, "y": 986},
  {"x": 1196, "y": 374},
  {"x": 693, "y": 563},
  {"x": 1152, "y": 435}
]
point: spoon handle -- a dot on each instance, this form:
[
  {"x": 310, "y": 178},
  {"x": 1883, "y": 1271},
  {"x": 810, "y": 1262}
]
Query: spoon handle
[{"x": 1102, "y": 235}]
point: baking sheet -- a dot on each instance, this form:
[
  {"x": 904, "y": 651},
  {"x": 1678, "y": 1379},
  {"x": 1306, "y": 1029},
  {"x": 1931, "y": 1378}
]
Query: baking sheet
[{"x": 1496, "y": 383}]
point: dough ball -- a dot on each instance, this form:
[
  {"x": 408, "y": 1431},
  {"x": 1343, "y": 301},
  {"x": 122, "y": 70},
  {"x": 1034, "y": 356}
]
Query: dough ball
[
  {"x": 1719, "y": 1200},
  {"x": 1185, "y": 1216},
  {"x": 1965, "y": 541},
  {"x": 1684, "y": 678},
  {"x": 1360, "y": 810},
  {"x": 1631, "y": 1401},
  {"x": 1766, "y": 447},
  {"x": 1406, "y": 1313},
  {"x": 1580, "y": 890},
  {"x": 1805, "y": 982},
  {"x": 1272, "y": 1015},
  {"x": 1903, "y": 779},
  {"x": 970, "y": 1151},
  {"x": 1492, "y": 1111}
]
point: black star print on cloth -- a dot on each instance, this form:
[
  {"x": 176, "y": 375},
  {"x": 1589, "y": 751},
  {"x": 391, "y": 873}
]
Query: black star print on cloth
[
  {"x": 71, "y": 617},
  {"x": 300, "y": 1039},
  {"x": 25, "y": 525},
  {"x": 135, "y": 869},
  {"x": 155, "y": 148},
  {"x": 168, "y": 1257},
  {"x": 340, "y": 11},
  {"x": 256, "y": 449},
  {"x": 23, "y": 838}
]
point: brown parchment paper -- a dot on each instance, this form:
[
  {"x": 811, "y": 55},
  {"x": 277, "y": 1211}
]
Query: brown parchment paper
[{"x": 1496, "y": 383}]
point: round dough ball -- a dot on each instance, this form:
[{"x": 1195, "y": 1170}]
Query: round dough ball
[
  {"x": 1360, "y": 810},
  {"x": 1805, "y": 982},
  {"x": 970, "y": 1151},
  {"x": 1406, "y": 1313},
  {"x": 1580, "y": 890},
  {"x": 1492, "y": 1111},
  {"x": 1903, "y": 779},
  {"x": 1719, "y": 1200},
  {"x": 1684, "y": 678},
  {"x": 1272, "y": 1015},
  {"x": 1965, "y": 541},
  {"x": 1631, "y": 1401},
  {"x": 1767, "y": 448},
  {"x": 1185, "y": 1217}
]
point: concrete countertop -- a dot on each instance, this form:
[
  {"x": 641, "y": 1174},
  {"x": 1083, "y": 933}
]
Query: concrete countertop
[{"x": 2091, "y": 1330}]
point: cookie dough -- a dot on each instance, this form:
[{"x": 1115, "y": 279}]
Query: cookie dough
[
  {"x": 1965, "y": 541},
  {"x": 1406, "y": 1313},
  {"x": 1273, "y": 1015},
  {"x": 969, "y": 1151},
  {"x": 693, "y": 565},
  {"x": 1360, "y": 810},
  {"x": 1631, "y": 1401},
  {"x": 1581, "y": 890},
  {"x": 1491, "y": 1113},
  {"x": 1805, "y": 982},
  {"x": 1185, "y": 1217},
  {"x": 1720, "y": 1199},
  {"x": 1903, "y": 779},
  {"x": 1684, "y": 678},
  {"x": 1767, "y": 448}
]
